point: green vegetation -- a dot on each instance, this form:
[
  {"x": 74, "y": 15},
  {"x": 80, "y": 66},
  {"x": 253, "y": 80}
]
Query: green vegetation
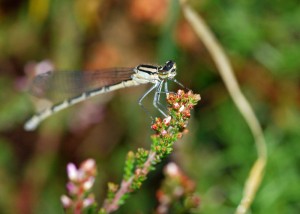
[{"x": 262, "y": 41}]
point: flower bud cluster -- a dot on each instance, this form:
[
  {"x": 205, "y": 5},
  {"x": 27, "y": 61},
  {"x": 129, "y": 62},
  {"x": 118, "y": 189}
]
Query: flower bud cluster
[
  {"x": 177, "y": 190},
  {"x": 180, "y": 104},
  {"x": 172, "y": 127},
  {"x": 79, "y": 186}
]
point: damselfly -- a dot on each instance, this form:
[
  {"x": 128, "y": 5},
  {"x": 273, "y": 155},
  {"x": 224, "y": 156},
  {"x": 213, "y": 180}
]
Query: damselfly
[{"x": 89, "y": 84}]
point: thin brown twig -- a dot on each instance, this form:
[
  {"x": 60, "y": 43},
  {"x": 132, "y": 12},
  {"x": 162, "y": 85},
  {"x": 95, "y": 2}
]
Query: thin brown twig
[{"x": 226, "y": 72}]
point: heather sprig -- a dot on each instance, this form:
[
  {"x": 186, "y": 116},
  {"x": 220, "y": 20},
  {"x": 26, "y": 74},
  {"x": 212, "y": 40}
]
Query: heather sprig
[
  {"x": 177, "y": 192},
  {"x": 138, "y": 165},
  {"x": 172, "y": 127},
  {"x": 80, "y": 199}
]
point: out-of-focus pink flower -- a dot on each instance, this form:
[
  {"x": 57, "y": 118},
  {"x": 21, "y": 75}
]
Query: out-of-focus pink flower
[
  {"x": 87, "y": 185},
  {"x": 175, "y": 188},
  {"x": 187, "y": 38},
  {"x": 172, "y": 169},
  {"x": 88, "y": 201},
  {"x": 72, "y": 188},
  {"x": 36, "y": 68},
  {"x": 72, "y": 172},
  {"x": 154, "y": 11},
  {"x": 66, "y": 201},
  {"x": 80, "y": 183},
  {"x": 43, "y": 67},
  {"x": 88, "y": 165}
]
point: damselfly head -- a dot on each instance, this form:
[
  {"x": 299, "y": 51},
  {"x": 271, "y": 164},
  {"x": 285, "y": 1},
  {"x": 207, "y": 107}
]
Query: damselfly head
[{"x": 168, "y": 71}]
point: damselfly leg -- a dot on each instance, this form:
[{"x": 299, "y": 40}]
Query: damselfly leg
[
  {"x": 156, "y": 100},
  {"x": 145, "y": 95}
]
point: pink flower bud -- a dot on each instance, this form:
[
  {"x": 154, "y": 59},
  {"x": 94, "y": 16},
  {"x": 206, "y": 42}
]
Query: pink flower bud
[
  {"x": 176, "y": 106},
  {"x": 81, "y": 175},
  {"x": 88, "y": 201},
  {"x": 167, "y": 120},
  {"x": 187, "y": 113},
  {"x": 180, "y": 92},
  {"x": 89, "y": 183},
  {"x": 154, "y": 127},
  {"x": 72, "y": 188},
  {"x": 178, "y": 191},
  {"x": 181, "y": 108},
  {"x": 172, "y": 169},
  {"x": 88, "y": 165},
  {"x": 66, "y": 201},
  {"x": 72, "y": 172},
  {"x": 164, "y": 132}
]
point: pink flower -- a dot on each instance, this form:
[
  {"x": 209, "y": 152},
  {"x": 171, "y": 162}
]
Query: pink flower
[
  {"x": 172, "y": 169},
  {"x": 154, "y": 127},
  {"x": 176, "y": 106},
  {"x": 167, "y": 120},
  {"x": 88, "y": 201},
  {"x": 181, "y": 108},
  {"x": 88, "y": 166},
  {"x": 164, "y": 132},
  {"x": 72, "y": 188},
  {"x": 180, "y": 92},
  {"x": 89, "y": 183},
  {"x": 80, "y": 183},
  {"x": 66, "y": 201},
  {"x": 72, "y": 172}
]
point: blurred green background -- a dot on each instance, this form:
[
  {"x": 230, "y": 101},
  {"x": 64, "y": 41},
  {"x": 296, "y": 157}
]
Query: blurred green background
[{"x": 262, "y": 40}]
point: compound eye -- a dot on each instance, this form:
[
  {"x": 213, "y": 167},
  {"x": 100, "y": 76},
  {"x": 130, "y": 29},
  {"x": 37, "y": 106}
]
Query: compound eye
[{"x": 169, "y": 65}]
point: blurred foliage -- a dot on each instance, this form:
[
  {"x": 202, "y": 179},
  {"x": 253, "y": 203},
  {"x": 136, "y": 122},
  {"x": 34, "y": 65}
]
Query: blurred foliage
[{"x": 262, "y": 41}]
